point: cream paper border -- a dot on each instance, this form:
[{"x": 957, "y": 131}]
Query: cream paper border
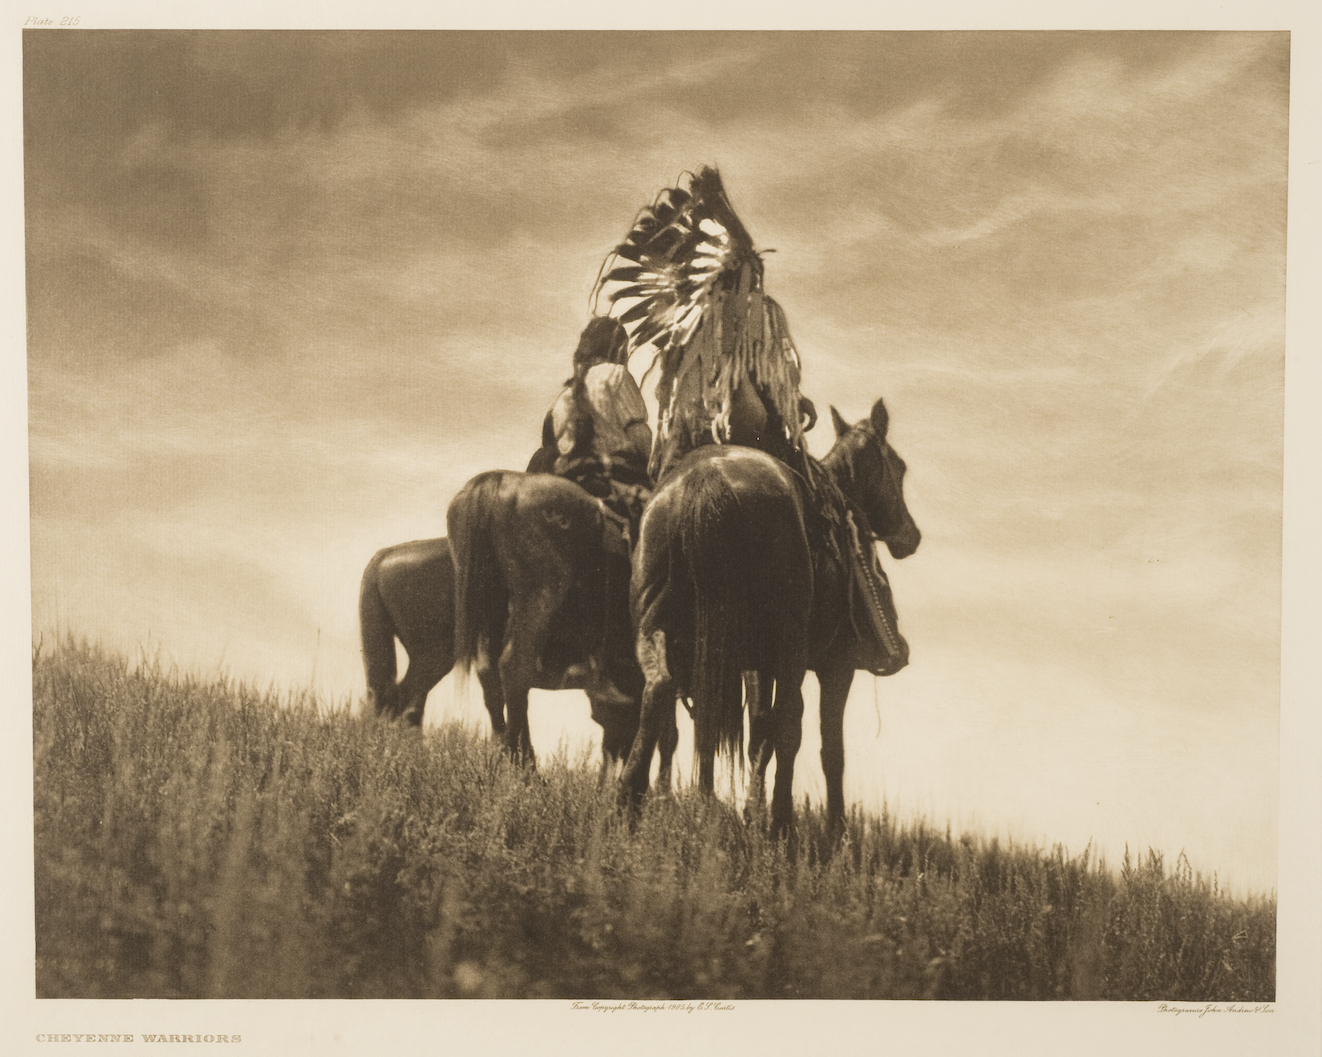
[{"x": 405, "y": 1029}]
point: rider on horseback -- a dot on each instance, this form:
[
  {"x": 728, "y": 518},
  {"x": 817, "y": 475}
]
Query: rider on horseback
[
  {"x": 599, "y": 424},
  {"x": 598, "y": 434},
  {"x": 729, "y": 371}
]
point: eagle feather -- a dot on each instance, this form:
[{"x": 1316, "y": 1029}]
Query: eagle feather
[{"x": 686, "y": 269}]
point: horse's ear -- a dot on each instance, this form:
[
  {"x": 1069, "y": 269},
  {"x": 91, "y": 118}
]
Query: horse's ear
[
  {"x": 841, "y": 426},
  {"x": 807, "y": 413},
  {"x": 880, "y": 419}
]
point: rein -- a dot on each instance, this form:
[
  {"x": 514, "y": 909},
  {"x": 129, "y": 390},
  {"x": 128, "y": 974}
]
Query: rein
[
  {"x": 845, "y": 468},
  {"x": 858, "y": 560}
]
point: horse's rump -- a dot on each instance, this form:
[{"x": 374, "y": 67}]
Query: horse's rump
[
  {"x": 415, "y": 582},
  {"x": 512, "y": 533},
  {"x": 407, "y": 593},
  {"x": 537, "y": 595},
  {"x": 378, "y": 637},
  {"x": 740, "y": 564}
]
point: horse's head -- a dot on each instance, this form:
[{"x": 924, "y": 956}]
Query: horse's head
[{"x": 870, "y": 472}]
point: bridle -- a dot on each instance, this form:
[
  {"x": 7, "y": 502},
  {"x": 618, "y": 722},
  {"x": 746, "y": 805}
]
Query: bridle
[{"x": 859, "y": 437}]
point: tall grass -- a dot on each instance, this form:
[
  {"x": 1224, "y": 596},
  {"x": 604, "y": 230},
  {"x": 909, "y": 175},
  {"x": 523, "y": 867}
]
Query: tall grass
[{"x": 199, "y": 839}]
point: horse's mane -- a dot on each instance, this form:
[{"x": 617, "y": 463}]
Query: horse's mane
[
  {"x": 825, "y": 505},
  {"x": 848, "y": 542},
  {"x": 831, "y": 505}
]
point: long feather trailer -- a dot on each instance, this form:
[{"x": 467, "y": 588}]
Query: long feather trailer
[{"x": 687, "y": 279}]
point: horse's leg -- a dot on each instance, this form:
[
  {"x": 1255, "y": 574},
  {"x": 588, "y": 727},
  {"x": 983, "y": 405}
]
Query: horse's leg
[
  {"x": 619, "y": 728},
  {"x": 608, "y": 761},
  {"x": 488, "y": 677},
  {"x": 526, "y": 635},
  {"x": 609, "y": 752},
  {"x": 658, "y": 694},
  {"x": 384, "y": 701},
  {"x": 667, "y": 743},
  {"x": 761, "y": 741},
  {"x": 627, "y": 724},
  {"x": 428, "y": 665},
  {"x": 377, "y": 631},
  {"x": 788, "y": 737},
  {"x": 835, "y": 681},
  {"x": 649, "y": 601}
]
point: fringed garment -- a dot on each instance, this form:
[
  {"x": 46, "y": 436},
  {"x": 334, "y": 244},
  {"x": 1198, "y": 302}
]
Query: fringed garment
[
  {"x": 689, "y": 283},
  {"x": 729, "y": 371}
]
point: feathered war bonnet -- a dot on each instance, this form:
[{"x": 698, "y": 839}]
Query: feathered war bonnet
[{"x": 695, "y": 281}]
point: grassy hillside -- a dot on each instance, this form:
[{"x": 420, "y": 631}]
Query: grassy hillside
[{"x": 196, "y": 839}]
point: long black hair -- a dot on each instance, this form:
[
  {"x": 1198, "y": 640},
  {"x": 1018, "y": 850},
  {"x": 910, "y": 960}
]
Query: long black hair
[{"x": 604, "y": 340}]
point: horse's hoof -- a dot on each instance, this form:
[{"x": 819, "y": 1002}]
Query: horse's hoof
[
  {"x": 629, "y": 802},
  {"x": 755, "y": 812}
]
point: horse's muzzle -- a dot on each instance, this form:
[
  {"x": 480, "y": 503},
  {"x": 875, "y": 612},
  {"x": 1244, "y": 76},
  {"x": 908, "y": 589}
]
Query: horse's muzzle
[
  {"x": 896, "y": 659},
  {"x": 905, "y": 542}
]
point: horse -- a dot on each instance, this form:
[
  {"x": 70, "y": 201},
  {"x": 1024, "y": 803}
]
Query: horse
[
  {"x": 541, "y": 601},
  {"x": 408, "y": 593},
  {"x": 736, "y": 579}
]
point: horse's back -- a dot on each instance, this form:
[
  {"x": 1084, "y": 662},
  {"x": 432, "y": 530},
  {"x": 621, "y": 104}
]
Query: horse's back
[
  {"x": 508, "y": 496},
  {"x": 725, "y": 535},
  {"x": 416, "y": 582},
  {"x": 749, "y": 472},
  {"x": 525, "y": 540},
  {"x": 737, "y": 485},
  {"x": 401, "y": 558}
]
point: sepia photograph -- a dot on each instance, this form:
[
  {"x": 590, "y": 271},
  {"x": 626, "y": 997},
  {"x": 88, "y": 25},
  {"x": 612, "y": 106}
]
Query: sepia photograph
[{"x": 672, "y": 529}]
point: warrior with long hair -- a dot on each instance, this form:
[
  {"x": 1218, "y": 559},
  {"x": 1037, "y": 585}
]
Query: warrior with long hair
[{"x": 599, "y": 423}]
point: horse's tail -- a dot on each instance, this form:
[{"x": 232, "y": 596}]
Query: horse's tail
[
  {"x": 378, "y": 635},
  {"x": 480, "y": 593},
  {"x": 714, "y": 546}
]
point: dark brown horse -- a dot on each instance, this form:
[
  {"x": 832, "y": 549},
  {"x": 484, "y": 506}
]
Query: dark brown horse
[
  {"x": 740, "y": 576},
  {"x": 408, "y": 594},
  {"x": 541, "y": 590}
]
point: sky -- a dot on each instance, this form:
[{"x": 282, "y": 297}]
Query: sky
[{"x": 286, "y": 292}]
